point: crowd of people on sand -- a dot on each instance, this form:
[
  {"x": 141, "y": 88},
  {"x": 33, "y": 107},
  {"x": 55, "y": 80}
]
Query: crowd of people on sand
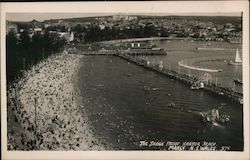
[{"x": 45, "y": 103}]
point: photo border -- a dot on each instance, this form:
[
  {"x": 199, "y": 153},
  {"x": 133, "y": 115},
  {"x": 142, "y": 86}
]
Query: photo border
[{"x": 127, "y": 7}]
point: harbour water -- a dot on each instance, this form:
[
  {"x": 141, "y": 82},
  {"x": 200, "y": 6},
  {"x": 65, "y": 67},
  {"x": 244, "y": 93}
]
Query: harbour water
[
  {"x": 179, "y": 50},
  {"x": 122, "y": 113}
]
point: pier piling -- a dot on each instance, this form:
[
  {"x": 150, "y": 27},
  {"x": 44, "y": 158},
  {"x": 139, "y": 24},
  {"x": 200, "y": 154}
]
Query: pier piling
[{"x": 185, "y": 78}]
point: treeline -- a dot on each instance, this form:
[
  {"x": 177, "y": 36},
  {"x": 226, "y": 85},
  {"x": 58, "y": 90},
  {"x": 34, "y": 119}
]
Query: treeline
[
  {"x": 94, "y": 33},
  {"x": 23, "y": 51}
]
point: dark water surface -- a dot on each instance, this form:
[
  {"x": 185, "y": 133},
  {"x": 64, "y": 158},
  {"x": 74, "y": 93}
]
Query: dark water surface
[{"x": 123, "y": 113}]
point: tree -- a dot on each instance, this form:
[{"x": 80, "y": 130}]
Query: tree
[
  {"x": 37, "y": 47},
  {"x": 11, "y": 55},
  {"x": 11, "y": 42},
  {"x": 24, "y": 40}
]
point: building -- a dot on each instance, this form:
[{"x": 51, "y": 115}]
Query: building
[
  {"x": 102, "y": 27},
  {"x": 130, "y": 18},
  {"x": 37, "y": 29},
  {"x": 124, "y": 17}
]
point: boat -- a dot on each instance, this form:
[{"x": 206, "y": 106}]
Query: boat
[
  {"x": 154, "y": 89},
  {"x": 147, "y": 88},
  {"x": 213, "y": 116},
  {"x": 238, "y": 81},
  {"x": 100, "y": 85},
  {"x": 237, "y": 60},
  {"x": 171, "y": 104},
  {"x": 194, "y": 87},
  {"x": 221, "y": 93},
  {"x": 197, "y": 85}
]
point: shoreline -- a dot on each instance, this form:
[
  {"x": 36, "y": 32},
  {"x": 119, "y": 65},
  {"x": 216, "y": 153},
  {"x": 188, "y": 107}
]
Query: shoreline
[
  {"x": 62, "y": 123},
  {"x": 146, "y": 39}
]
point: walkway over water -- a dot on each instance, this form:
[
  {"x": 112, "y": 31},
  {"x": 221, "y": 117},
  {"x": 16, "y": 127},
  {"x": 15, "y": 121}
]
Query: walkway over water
[{"x": 185, "y": 78}]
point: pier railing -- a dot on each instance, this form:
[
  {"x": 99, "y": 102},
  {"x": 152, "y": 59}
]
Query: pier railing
[
  {"x": 185, "y": 78},
  {"x": 189, "y": 79}
]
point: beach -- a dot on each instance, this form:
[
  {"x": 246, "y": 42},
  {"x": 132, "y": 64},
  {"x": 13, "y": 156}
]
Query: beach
[{"x": 45, "y": 102}]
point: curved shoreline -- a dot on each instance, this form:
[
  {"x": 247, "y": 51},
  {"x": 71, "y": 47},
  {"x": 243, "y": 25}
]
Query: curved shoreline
[
  {"x": 62, "y": 123},
  {"x": 182, "y": 63}
]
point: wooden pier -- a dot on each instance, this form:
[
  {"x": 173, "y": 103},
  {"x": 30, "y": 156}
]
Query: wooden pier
[
  {"x": 129, "y": 55},
  {"x": 185, "y": 78}
]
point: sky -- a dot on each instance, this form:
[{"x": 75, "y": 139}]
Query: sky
[{"x": 47, "y": 16}]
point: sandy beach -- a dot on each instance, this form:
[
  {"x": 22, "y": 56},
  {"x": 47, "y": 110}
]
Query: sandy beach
[{"x": 61, "y": 124}]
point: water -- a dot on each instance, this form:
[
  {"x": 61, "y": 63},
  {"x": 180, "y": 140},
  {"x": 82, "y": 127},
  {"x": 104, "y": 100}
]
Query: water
[
  {"x": 185, "y": 50},
  {"x": 122, "y": 113}
]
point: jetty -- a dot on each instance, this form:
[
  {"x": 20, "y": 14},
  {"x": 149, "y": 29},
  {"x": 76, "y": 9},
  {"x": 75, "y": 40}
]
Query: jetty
[
  {"x": 185, "y": 78},
  {"x": 129, "y": 54}
]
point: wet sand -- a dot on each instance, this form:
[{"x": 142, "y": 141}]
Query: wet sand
[{"x": 60, "y": 122}]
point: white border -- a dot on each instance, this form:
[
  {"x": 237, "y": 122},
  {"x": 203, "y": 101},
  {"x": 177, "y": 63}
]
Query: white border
[{"x": 128, "y": 7}]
